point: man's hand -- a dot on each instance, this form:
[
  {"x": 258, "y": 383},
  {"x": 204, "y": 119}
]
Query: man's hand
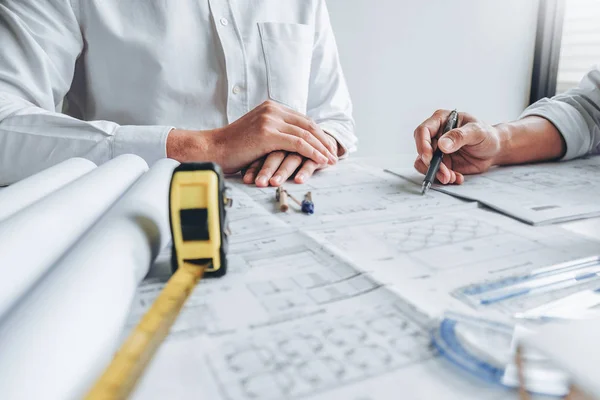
[
  {"x": 269, "y": 127},
  {"x": 471, "y": 148},
  {"x": 279, "y": 166}
]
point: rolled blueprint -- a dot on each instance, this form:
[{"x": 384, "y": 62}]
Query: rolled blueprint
[
  {"x": 32, "y": 240},
  {"x": 60, "y": 337},
  {"x": 26, "y": 192}
]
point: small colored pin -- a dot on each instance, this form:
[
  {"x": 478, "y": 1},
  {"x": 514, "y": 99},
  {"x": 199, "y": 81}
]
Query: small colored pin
[
  {"x": 281, "y": 196},
  {"x": 308, "y": 207}
]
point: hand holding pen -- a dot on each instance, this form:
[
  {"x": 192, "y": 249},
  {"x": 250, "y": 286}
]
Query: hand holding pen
[
  {"x": 438, "y": 155},
  {"x": 471, "y": 148}
]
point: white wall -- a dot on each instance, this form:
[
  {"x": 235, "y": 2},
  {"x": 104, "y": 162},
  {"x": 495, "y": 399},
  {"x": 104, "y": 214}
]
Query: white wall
[{"x": 404, "y": 59}]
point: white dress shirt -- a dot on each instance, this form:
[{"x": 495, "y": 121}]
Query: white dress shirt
[
  {"x": 131, "y": 70},
  {"x": 576, "y": 114}
]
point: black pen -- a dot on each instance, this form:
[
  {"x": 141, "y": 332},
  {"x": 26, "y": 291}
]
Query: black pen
[{"x": 438, "y": 156}]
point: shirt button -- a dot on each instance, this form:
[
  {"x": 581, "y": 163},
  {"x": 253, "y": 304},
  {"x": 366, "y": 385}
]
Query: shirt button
[
  {"x": 224, "y": 21},
  {"x": 236, "y": 89}
]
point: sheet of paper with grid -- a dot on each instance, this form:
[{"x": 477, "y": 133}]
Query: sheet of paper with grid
[
  {"x": 536, "y": 194},
  {"x": 338, "y": 304}
]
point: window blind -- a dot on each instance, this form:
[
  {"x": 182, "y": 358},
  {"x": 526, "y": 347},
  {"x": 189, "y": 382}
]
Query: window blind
[{"x": 580, "y": 49}]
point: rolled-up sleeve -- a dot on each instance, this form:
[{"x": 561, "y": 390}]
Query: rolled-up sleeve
[
  {"x": 329, "y": 103},
  {"x": 576, "y": 114},
  {"x": 40, "y": 42}
]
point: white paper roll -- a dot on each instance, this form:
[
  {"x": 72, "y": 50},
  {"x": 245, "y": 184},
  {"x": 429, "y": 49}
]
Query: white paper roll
[
  {"x": 32, "y": 240},
  {"x": 26, "y": 192},
  {"x": 59, "y": 338}
]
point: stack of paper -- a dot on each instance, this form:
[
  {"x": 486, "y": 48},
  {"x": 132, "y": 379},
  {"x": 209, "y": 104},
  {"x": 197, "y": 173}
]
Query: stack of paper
[
  {"x": 536, "y": 194},
  {"x": 537, "y": 373},
  {"x": 574, "y": 348},
  {"x": 340, "y": 304}
]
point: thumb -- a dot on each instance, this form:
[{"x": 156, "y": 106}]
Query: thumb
[{"x": 466, "y": 135}]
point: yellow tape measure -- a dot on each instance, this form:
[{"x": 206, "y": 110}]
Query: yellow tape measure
[{"x": 197, "y": 203}]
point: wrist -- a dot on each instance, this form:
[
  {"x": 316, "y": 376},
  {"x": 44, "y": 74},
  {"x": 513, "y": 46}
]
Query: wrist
[
  {"x": 190, "y": 146},
  {"x": 505, "y": 133},
  {"x": 530, "y": 139}
]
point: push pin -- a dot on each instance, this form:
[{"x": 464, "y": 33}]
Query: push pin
[
  {"x": 308, "y": 207},
  {"x": 281, "y": 196}
]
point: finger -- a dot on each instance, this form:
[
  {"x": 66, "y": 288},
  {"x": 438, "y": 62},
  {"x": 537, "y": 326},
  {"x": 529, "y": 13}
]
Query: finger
[
  {"x": 305, "y": 122},
  {"x": 272, "y": 162},
  {"x": 334, "y": 146},
  {"x": 423, "y": 143},
  {"x": 420, "y": 166},
  {"x": 300, "y": 121},
  {"x": 295, "y": 144},
  {"x": 444, "y": 176},
  {"x": 308, "y": 169},
  {"x": 286, "y": 169},
  {"x": 250, "y": 173},
  {"x": 460, "y": 178},
  {"x": 465, "y": 118},
  {"x": 468, "y": 135},
  {"x": 322, "y": 167},
  {"x": 310, "y": 139},
  {"x": 428, "y": 130}
]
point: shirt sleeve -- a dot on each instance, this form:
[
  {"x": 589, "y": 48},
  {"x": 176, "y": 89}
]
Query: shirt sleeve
[
  {"x": 329, "y": 103},
  {"x": 576, "y": 114},
  {"x": 40, "y": 42}
]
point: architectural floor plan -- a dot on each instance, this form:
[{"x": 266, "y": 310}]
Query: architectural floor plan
[{"x": 340, "y": 304}]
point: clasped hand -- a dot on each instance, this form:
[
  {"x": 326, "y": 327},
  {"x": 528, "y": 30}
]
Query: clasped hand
[
  {"x": 269, "y": 144},
  {"x": 306, "y": 148}
]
